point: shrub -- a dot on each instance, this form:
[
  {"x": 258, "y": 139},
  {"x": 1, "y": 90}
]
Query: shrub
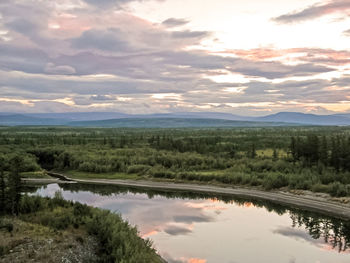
[
  {"x": 138, "y": 169},
  {"x": 337, "y": 189},
  {"x": 273, "y": 181},
  {"x": 2, "y": 251}
]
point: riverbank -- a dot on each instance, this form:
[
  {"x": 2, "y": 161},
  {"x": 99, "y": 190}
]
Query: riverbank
[
  {"x": 23, "y": 241},
  {"x": 56, "y": 230},
  {"x": 306, "y": 200}
]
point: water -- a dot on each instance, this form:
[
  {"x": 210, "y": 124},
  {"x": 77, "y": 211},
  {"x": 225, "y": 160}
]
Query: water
[{"x": 197, "y": 228}]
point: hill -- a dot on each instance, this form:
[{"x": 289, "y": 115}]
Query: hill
[
  {"x": 177, "y": 119},
  {"x": 308, "y": 119},
  {"x": 171, "y": 123}
]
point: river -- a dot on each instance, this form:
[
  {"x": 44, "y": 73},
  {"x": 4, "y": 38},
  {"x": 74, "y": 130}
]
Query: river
[{"x": 202, "y": 228}]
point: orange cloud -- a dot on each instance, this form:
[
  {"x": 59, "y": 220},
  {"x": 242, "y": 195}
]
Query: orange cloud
[
  {"x": 151, "y": 233},
  {"x": 294, "y": 55},
  {"x": 196, "y": 260}
]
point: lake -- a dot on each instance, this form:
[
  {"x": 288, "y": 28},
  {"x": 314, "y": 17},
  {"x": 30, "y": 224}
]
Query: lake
[{"x": 204, "y": 228}]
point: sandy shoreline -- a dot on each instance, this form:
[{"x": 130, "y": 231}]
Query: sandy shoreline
[{"x": 311, "y": 202}]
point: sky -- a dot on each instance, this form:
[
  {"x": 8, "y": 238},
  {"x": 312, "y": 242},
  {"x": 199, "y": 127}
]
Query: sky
[{"x": 251, "y": 57}]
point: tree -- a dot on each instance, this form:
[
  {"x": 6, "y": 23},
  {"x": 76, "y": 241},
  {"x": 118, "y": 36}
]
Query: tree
[
  {"x": 275, "y": 154},
  {"x": 14, "y": 183},
  {"x": 252, "y": 152},
  {"x": 323, "y": 152},
  {"x": 293, "y": 149},
  {"x": 2, "y": 186},
  {"x": 335, "y": 153}
]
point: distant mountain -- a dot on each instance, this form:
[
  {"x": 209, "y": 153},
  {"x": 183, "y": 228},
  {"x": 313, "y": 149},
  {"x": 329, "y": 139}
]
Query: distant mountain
[
  {"x": 346, "y": 115},
  {"x": 80, "y": 116},
  {"x": 307, "y": 119},
  {"x": 91, "y": 116},
  {"x": 172, "y": 123},
  {"x": 18, "y": 119},
  {"x": 178, "y": 119},
  {"x": 196, "y": 115}
]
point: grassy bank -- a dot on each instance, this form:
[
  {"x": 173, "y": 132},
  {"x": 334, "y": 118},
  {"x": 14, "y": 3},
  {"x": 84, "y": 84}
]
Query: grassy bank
[
  {"x": 268, "y": 179},
  {"x": 50, "y": 230}
]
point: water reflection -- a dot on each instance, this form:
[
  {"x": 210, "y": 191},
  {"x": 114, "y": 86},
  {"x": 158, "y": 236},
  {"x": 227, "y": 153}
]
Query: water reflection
[{"x": 191, "y": 227}]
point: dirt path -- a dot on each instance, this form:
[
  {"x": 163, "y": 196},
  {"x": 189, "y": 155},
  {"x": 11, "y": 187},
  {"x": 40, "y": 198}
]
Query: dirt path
[{"x": 320, "y": 203}]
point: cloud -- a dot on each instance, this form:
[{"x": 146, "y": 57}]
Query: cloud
[
  {"x": 183, "y": 259},
  {"x": 315, "y": 11},
  {"x": 175, "y": 22},
  {"x": 190, "y": 34},
  {"x": 110, "y": 3},
  {"x": 297, "y": 234},
  {"x": 107, "y": 59},
  {"x": 110, "y": 39},
  {"x": 318, "y": 56},
  {"x": 59, "y": 70},
  {"x": 191, "y": 219},
  {"x": 347, "y": 33},
  {"x": 102, "y": 97},
  {"x": 176, "y": 230}
]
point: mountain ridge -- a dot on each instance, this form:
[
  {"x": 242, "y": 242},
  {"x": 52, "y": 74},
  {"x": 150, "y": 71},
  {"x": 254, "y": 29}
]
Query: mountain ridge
[{"x": 78, "y": 118}]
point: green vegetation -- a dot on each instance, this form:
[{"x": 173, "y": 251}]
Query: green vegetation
[
  {"x": 308, "y": 158},
  {"x": 117, "y": 240}
]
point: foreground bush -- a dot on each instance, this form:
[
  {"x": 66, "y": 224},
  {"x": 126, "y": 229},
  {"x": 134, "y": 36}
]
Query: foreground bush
[{"x": 118, "y": 241}]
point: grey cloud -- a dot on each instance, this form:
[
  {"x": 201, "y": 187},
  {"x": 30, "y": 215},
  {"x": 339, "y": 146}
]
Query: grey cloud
[
  {"x": 150, "y": 59},
  {"x": 176, "y": 230},
  {"x": 63, "y": 69},
  {"x": 28, "y": 19},
  {"x": 314, "y": 11},
  {"x": 297, "y": 234},
  {"x": 272, "y": 70},
  {"x": 111, "y": 3},
  {"x": 191, "y": 219},
  {"x": 23, "y": 26},
  {"x": 28, "y": 60},
  {"x": 190, "y": 34},
  {"x": 81, "y": 101},
  {"x": 101, "y": 97},
  {"x": 108, "y": 40},
  {"x": 347, "y": 33},
  {"x": 175, "y": 22},
  {"x": 106, "y": 2}
]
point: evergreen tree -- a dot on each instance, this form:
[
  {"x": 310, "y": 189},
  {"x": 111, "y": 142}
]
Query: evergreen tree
[
  {"x": 253, "y": 151},
  {"x": 275, "y": 154},
  {"x": 14, "y": 183},
  {"x": 2, "y": 187},
  {"x": 293, "y": 149},
  {"x": 323, "y": 151},
  {"x": 335, "y": 153}
]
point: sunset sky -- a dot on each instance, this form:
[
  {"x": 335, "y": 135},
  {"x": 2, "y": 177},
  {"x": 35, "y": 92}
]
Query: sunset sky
[{"x": 252, "y": 57}]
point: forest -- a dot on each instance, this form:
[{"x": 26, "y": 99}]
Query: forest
[{"x": 306, "y": 158}]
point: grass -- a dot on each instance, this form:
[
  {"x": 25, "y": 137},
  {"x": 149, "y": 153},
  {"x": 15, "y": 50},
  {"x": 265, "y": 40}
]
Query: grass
[
  {"x": 84, "y": 175},
  {"x": 30, "y": 242},
  {"x": 37, "y": 175}
]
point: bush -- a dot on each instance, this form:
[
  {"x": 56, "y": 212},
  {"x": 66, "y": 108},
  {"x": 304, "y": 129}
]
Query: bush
[
  {"x": 338, "y": 190},
  {"x": 138, "y": 169},
  {"x": 2, "y": 251},
  {"x": 273, "y": 181},
  {"x": 320, "y": 188},
  {"x": 159, "y": 172}
]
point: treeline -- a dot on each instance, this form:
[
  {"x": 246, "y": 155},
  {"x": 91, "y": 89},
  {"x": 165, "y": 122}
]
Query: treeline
[
  {"x": 331, "y": 151},
  {"x": 309, "y": 158},
  {"x": 10, "y": 185}
]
